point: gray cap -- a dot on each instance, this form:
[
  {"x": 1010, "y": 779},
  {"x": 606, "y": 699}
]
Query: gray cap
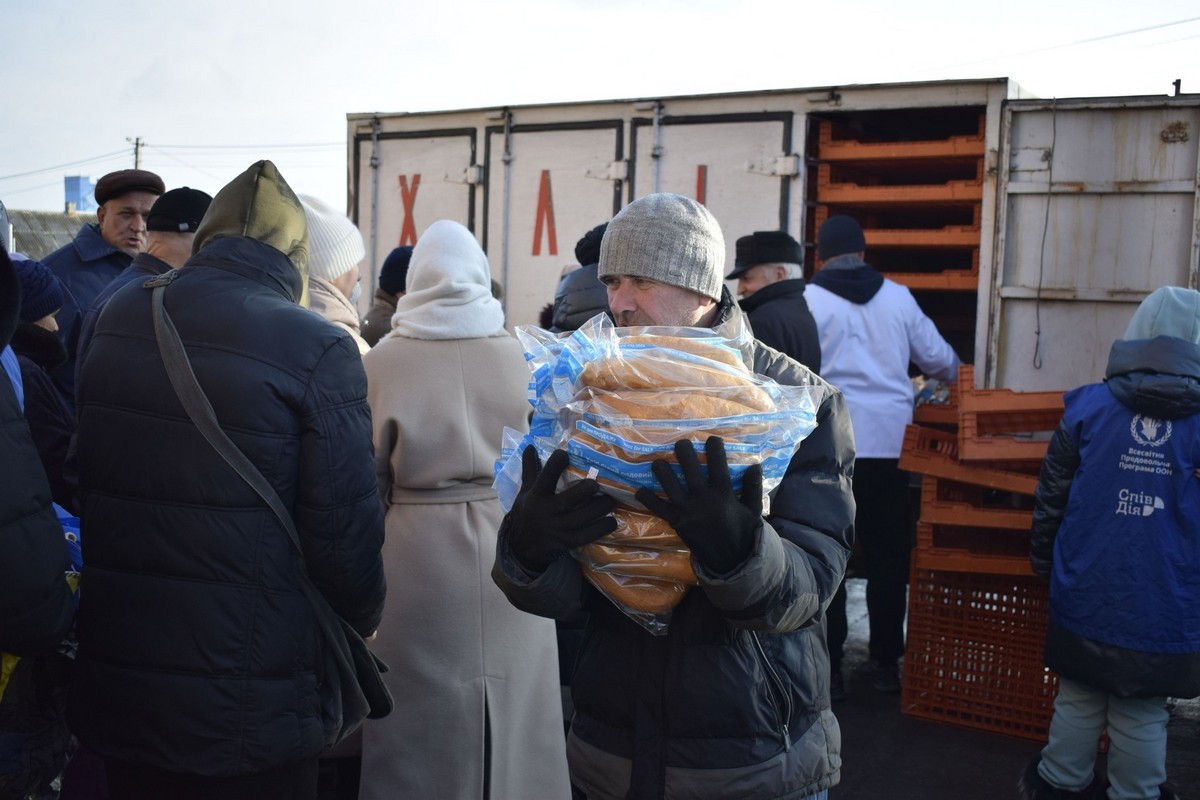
[{"x": 668, "y": 238}]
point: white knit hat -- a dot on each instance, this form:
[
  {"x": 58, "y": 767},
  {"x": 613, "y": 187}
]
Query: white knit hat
[
  {"x": 335, "y": 244},
  {"x": 668, "y": 238}
]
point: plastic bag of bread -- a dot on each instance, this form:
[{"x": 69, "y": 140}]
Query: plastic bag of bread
[{"x": 617, "y": 399}]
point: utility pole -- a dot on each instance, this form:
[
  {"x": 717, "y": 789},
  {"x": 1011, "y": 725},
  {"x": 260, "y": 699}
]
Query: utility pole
[{"x": 137, "y": 151}]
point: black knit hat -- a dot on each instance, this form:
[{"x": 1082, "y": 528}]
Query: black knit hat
[
  {"x": 178, "y": 211},
  {"x": 587, "y": 249},
  {"x": 124, "y": 181},
  {"x": 394, "y": 272},
  {"x": 839, "y": 235},
  {"x": 41, "y": 293},
  {"x": 764, "y": 247}
]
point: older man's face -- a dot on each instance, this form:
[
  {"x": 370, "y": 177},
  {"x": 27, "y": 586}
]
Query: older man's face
[
  {"x": 641, "y": 301},
  {"x": 123, "y": 221}
]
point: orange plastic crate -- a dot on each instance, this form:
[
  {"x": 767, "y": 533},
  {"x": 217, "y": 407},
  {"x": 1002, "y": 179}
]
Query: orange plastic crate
[
  {"x": 1003, "y": 425},
  {"x": 958, "y": 548},
  {"x": 1023, "y": 411},
  {"x": 949, "y": 502},
  {"x": 930, "y": 451},
  {"x": 976, "y": 446},
  {"x": 948, "y": 280},
  {"x": 974, "y": 652},
  {"x": 832, "y": 147},
  {"x": 955, "y": 191},
  {"x": 947, "y": 560}
]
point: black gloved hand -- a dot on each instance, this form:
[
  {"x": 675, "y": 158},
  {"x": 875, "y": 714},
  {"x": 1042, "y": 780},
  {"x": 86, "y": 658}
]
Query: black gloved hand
[
  {"x": 717, "y": 526},
  {"x": 546, "y": 525}
]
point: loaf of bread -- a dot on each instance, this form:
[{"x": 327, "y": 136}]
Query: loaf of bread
[
  {"x": 676, "y": 362},
  {"x": 615, "y": 422},
  {"x": 631, "y": 561},
  {"x": 638, "y": 595},
  {"x": 671, "y": 404}
]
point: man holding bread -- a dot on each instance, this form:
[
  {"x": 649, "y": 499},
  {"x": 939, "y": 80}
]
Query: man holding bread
[{"x": 733, "y": 699}]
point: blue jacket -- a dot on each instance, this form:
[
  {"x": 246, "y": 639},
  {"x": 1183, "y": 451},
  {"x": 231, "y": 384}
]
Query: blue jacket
[
  {"x": 83, "y": 267},
  {"x": 1115, "y": 525}
]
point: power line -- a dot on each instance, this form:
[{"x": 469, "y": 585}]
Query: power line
[
  {"x": 250, "y": 146},
  {"x": 1065, "y": 44},
  {"x": 10, "y": 192},
  {"x": 159, "y": 149},
  {"x": 93, "y": 159}
]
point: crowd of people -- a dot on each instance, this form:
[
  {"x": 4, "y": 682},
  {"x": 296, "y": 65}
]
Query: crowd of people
[{"x": 191, "y": 390}]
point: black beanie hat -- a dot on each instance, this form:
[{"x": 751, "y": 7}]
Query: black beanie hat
[
  {"x": 764, "y": 247},
  {"x": 394, "y": 272},
  {"x": 839, "y": 235},
  {"x": 587, "y": 249},
  {"x": 178, "y": 211}
]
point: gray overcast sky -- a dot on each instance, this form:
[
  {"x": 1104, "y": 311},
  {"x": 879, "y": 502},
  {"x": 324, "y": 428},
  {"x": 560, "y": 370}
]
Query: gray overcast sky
[{"x": 240, "y": 80}]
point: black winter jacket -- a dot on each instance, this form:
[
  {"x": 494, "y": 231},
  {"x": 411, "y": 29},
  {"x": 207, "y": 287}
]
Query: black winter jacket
[
  {"x": 580, "y": 296},
  {"x": 51, "y": 420},
  {"x": 35, "y": 601},
  {"x": 781, "y": 320},
  {"x": 198, "y": 650},
  {"x": 734, "y": 699}
]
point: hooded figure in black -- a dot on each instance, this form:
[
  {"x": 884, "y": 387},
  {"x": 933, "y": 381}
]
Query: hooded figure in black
[
  {"x": 35, "y": 601},
  {"x": 199, "y": 651},
  {"x": 580, "y": 294}
]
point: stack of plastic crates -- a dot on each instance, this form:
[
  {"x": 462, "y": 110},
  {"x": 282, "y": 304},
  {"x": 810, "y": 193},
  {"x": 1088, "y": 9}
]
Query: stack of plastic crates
[{"x": 977, "y": 615}]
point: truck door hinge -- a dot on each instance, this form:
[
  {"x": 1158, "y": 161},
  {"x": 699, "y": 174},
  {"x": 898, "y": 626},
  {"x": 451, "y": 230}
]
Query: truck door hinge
[
  {"x": 787, "y": 165},
  {"x": 472, "y": 175},
  {"x": 610, "y": 171}
]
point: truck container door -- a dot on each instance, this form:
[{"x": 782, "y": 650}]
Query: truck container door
[
  {"x": 1097, "y": 208},
  {"x": 740, "y": 166},
  {"x": 546, "y": 186},
  {"x": 402, "y": 182}
]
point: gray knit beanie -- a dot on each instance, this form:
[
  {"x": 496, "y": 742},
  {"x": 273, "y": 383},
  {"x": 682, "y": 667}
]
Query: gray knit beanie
[{"x": 668, "y": 238}]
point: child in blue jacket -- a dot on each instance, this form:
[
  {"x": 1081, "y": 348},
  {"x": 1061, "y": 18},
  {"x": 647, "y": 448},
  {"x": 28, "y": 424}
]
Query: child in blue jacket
[{"x": 1116, "y": 532}]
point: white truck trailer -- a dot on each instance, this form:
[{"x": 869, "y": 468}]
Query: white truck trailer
[{"x": 1027, "y": 228}]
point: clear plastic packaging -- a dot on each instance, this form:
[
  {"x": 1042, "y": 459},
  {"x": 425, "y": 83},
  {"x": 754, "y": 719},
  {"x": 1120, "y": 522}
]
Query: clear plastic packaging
[{"x": 617, "y": 399}]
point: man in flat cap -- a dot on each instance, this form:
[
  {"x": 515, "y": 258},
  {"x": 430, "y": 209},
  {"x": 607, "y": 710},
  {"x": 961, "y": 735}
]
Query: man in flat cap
[
  {"x": 770, "y": 274},
  {"x": 170, "y": 229},
  {"x": 98, "y": 253}
]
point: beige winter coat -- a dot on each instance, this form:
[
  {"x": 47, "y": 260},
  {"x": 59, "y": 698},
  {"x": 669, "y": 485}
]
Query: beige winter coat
[{"x": 462, "y": 658}]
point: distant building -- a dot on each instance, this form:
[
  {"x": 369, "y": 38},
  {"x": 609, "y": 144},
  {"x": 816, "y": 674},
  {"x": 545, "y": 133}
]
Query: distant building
[
  {"x": 79, "y": 191},
  {"x": 37, "y": 234}
]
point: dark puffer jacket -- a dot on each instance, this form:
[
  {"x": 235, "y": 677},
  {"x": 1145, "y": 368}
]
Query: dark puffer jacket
[
  {"x": 198, "y": 650},
  {"x": 580, "y": 296},
  {"x": 35, "y": 601},
  {"x": 734, "y": 700}
]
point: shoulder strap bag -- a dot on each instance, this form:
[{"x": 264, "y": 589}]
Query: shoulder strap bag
[{"x": 352, "y": 688}]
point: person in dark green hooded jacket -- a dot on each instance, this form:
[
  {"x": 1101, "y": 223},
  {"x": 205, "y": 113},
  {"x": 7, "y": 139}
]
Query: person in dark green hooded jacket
[{"x": 198, "y": 661}]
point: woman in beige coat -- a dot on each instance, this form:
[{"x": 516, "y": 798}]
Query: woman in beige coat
[{"x": 478, "y": 713}]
